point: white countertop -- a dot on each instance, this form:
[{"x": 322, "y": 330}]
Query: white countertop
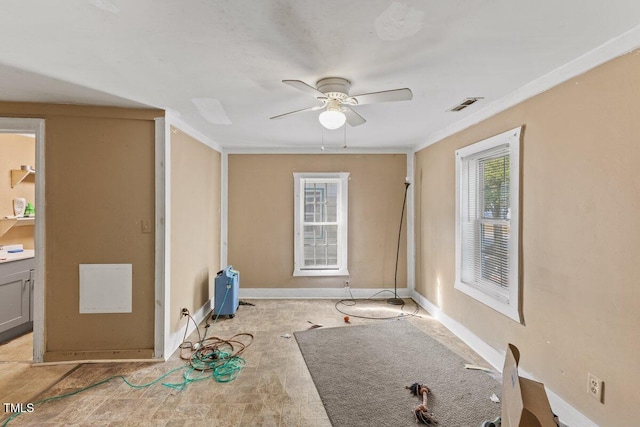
[{"x": 7, "y": 257}]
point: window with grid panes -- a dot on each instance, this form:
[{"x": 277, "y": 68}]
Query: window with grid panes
[
  {"x": 487, "y": 222},
  {"x": 320, "y": 224}
]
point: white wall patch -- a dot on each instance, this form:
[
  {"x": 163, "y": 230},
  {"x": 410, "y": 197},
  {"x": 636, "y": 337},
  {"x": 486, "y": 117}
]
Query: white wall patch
[{"x": 106, "y": 288}]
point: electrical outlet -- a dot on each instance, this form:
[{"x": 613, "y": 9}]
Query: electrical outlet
[
  {"x": 346, "y": 283},
  {"x": 594, "y": 386},
  {"x": 184, "y": 312}
]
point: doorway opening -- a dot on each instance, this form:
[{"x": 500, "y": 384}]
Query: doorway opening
[{"x": 21, "y": 240}]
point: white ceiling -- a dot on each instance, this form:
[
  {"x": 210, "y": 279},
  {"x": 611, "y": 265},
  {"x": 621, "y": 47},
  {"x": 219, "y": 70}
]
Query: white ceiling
[{"x": 175, "y": 55}]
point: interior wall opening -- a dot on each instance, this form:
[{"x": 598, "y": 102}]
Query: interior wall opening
[{"x": 17, "y": 244}]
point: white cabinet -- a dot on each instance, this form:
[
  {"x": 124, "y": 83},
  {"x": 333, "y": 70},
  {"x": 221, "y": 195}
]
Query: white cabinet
[{"x": 16, "y": 279}]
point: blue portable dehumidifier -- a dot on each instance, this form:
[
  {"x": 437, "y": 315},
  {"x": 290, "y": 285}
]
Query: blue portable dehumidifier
[{"x": 225, "y": 302}]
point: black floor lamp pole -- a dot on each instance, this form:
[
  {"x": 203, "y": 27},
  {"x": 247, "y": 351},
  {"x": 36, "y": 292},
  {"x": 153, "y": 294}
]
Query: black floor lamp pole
[{"x": 395, "y": 300}]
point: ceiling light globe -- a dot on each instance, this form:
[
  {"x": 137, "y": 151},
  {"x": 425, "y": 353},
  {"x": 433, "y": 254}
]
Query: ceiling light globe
[{"x": 332, "y": 119}]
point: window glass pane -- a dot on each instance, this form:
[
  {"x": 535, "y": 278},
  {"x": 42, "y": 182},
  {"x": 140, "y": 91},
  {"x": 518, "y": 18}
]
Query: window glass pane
[
  {"x": 312, "y": 233},
  {"x": 494, "y": 254},
  {"x": 332, "y": 254},
  {"x": 320, "y": 245},
  {"x": 309, "y": 193},
  {"x": 308, "y": 212},
  {"x": 321, "y": 257},
  {"x": 332, "y": 212},
  {"x": 315, "y": 208},
  {"x": 309, "y": 255},
  {"x": 332, "y": 192},
  {"x": 332, "y": 202},
  {"x": 321, "y": 202},
  {"x": 309, "y": 202},
  {"x": 494, "y": 174},
  {"x": 332, "y": 234},
  {"x": 321, "y": 235},
  {"x": 467, "y": 274}
]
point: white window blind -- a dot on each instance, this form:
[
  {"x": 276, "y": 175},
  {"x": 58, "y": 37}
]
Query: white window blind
[
  {"x": 487, "y": 221},
  {"x": 320, "y": 224}
]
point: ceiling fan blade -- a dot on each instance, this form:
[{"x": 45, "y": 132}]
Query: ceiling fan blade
[
  {"x": 314, "y": 108},
  {"x": 353, "y": 118},
  {"x": 300, "y": 85},
  {"x": 384, "y": 96}
]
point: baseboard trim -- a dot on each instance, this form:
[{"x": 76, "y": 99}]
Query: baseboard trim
[
  {"x": 99, "y": 356},
  {"x": 569, "y": 415},
  {"x": 95, "y": 362},
  {"x": 491, "y": 355},
  {"x": 175, "y": 339},
  {"x": 319, "y": 293}
]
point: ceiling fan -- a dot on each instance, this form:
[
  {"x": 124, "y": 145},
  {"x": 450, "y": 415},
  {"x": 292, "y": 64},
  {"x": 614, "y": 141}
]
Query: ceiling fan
[{"x": 333, "y": 93}]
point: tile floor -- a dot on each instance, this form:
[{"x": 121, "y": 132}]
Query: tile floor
[{"x": 274, "y": 389}]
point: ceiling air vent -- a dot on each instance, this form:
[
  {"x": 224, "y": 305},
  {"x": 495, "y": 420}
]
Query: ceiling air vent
[{"x": 464, "y": 104}]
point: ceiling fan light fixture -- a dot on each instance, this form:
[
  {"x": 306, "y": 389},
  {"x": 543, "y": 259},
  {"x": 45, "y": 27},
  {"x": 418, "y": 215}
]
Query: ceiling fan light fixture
[
  {"x": 332, "y": 119},
  {"x": 333, "y": 93}
]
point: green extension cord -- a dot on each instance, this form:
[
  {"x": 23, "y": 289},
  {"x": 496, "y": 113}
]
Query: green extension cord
[
  {"x": 221, "y": 371},
  {"x": 223, "y": 366}
]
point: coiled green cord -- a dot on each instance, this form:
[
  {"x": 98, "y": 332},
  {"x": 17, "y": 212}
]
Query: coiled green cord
[{"x": 224, "y": 368}]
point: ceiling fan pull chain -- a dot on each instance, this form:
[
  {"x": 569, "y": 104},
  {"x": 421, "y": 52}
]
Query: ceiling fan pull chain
[{"x": 345, "y": 137}]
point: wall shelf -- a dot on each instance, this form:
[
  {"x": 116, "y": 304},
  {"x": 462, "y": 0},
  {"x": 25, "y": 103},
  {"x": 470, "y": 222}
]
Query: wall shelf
[
  {"x": 19, "y": 175},
  {"x": 7, "y": 224}
]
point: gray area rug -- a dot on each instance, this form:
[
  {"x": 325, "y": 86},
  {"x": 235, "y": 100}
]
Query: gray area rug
[{"x": 361, "y": 373}]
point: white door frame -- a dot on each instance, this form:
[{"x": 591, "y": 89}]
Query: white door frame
[
  {"x": 20, "y": 125},
  {"x": 162, "y": 272}
]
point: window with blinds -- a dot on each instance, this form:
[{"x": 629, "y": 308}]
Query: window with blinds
[
  {"x": 487, "y": 221},
  {"x": 485, "y": 218},
  {"x": 320, "y": 223}
]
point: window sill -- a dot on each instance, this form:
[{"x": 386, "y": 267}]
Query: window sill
[
  {"x": 320, "y": 273},
  {"x": 503, "y": 307}
]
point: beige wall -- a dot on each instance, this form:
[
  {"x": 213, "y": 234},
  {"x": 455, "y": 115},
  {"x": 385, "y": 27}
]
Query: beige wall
[
  {"x": 580, "y": 238},
  {"x": 195, "y": 224},
  {"x": 16, "y": 150},
  {"x": 99, "y": 188},
  {"x": 261, "y": 218}
]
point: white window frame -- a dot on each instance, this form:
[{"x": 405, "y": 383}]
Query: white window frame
[
  {"x": 342, "y": 178},
  {"x": 505, "y": 301}
]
